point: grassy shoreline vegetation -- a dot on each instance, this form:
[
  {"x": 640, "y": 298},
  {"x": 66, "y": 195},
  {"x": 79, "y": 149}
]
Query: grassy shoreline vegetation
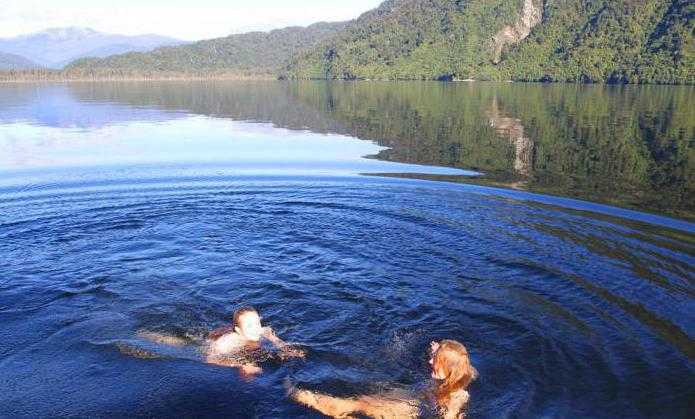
[{"x": 602, "y": 41}]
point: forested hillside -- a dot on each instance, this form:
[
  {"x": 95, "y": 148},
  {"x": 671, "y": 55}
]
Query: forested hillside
[
  {"x": 541, "y": 40},
  {"x": 255, "y": 53},
  {"x": 648, "y": 41},
  {"x": 604, "y": 41}
]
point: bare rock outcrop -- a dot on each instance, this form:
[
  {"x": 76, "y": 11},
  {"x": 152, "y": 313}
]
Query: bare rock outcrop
[{"x": 531, "y": 16}]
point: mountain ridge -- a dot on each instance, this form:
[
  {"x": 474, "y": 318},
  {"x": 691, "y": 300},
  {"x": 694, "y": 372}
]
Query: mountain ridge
[
  {"x": 15, "y": 62},
  {"x": 55, "y": 47}
]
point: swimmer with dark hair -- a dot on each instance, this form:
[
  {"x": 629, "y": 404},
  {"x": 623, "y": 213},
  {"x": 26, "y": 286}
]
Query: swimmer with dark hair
[
  {"x": 451, "y": 369},
  {"x": 234, "y": 345},
  {"x": 245, "y": 333}
]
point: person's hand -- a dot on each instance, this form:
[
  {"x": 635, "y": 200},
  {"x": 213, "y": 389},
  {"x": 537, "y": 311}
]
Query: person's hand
[{"x": 269, "y": 333}]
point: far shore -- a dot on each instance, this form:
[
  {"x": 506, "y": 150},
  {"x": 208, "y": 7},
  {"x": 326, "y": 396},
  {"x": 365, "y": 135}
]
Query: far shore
[
  {"x": 59, "y": 78},
  {"x": 49, "y": 76}
]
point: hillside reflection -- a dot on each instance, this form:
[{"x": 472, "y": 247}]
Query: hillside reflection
[{"x": 627, "y": 146}]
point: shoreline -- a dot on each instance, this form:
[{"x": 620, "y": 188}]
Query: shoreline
[
  {"x": 130, "y": 79},
  {"x": 27, "y": 80},
  {"x": 57, "y": 76}
]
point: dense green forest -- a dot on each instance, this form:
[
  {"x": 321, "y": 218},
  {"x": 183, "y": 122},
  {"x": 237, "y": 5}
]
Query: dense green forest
[
  {"x": 605, "y": 41},
  {"x": 648, "y": 41},
  {"x": 244, "y": 55}
]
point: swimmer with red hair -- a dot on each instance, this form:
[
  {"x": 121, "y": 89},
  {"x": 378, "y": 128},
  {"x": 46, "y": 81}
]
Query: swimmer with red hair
[{"x": 451, "y": 369}]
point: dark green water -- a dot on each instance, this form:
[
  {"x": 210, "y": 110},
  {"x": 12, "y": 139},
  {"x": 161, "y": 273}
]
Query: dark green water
[{"x": 626, "y": 146}]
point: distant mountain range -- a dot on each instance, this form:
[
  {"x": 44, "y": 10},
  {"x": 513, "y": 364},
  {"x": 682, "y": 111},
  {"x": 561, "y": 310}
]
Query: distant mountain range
[
  {"x": 15, "y": 62},
  {"x": 598, "y": 41},
  {"x": 54, "y": 48}
]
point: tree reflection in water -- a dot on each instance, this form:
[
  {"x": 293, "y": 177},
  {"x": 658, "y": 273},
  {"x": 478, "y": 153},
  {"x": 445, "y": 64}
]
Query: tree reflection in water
[{"x": 630, "y": 146}]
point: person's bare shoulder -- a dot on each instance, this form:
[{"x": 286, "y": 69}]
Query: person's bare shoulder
[{"x": 219, "y": 332}]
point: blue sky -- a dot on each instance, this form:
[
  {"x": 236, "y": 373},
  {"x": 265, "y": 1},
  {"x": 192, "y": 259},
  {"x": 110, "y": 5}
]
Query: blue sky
[{"x": 184, "y": 19}]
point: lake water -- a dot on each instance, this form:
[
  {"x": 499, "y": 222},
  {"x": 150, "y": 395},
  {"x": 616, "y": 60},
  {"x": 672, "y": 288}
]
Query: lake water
[{"x": 549, "y": 228}]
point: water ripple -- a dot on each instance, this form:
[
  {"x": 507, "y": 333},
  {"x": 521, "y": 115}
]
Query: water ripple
[{"x": 558, "y": 307}]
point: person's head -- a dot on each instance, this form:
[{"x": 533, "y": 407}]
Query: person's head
[
  {"x": 247, "y": 323},
  {"x": 451, "y": 367}
]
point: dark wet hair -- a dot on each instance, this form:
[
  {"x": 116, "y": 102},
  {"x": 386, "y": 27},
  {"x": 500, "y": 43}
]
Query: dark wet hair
[{"x": 240, "y": 312}]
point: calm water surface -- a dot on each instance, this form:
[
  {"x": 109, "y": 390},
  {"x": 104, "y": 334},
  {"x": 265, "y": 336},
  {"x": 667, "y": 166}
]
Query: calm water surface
[{"x": 163, "y": 206}]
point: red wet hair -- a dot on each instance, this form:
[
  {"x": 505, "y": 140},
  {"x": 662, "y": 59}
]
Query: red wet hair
[{"x": 452, "y": 359}]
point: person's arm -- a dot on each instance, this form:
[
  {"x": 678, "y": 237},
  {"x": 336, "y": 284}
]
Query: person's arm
[
  {"x": 335, "y": 407},
  {"x": 372, "y": 406},
  {"x": 286, "y": 350},
  {"x": 387, "y": 407},
  {"x": 269, "y": 334}
]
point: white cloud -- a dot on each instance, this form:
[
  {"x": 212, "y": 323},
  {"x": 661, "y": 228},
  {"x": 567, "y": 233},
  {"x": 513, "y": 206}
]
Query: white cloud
[{"x": 198, "y": 19}]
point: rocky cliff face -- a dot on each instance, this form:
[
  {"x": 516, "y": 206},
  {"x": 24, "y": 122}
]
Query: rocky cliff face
[{"x": 531, "y": 15}]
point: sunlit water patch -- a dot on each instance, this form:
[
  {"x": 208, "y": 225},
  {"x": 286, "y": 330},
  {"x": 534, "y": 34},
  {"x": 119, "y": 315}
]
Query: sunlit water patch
[
  {"x": 168, "y": 223},
  {"x": 193, "y": 140}
]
